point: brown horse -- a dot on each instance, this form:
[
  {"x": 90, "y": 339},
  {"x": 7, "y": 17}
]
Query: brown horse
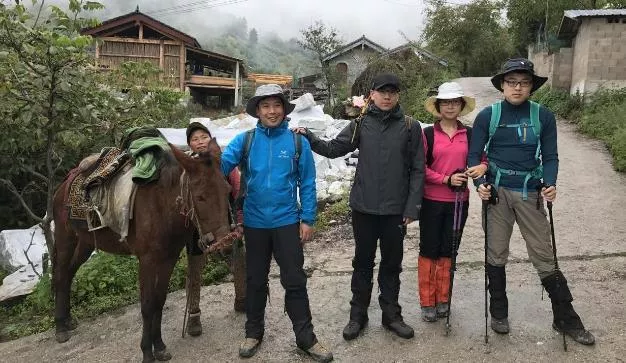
[{"x": 157, "y": 234}]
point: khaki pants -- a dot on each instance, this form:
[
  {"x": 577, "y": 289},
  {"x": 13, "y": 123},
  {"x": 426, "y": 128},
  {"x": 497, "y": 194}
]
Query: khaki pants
[{"x": 532, "y": 223}]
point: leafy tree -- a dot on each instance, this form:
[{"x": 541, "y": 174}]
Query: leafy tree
[
  {"x": 322, "y": 41},
  {"x": 253, "y": 38},
  {"x": 53, "y": 101},
  {"x": 471, "y": 36}
]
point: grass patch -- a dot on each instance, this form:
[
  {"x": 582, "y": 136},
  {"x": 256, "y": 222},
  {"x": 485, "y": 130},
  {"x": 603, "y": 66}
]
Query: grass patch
[
  {"x": 599, "y": 115},
  {"x": 3, "y": 274},
  {"x": 104, "y": 283},
  {"x": 338, "y": 211}
]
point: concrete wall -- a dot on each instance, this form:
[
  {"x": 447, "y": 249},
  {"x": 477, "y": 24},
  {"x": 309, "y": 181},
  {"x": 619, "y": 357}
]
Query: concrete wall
[
  {"x": 599, "y": 56},
  {"x": 557, "y": 67}
]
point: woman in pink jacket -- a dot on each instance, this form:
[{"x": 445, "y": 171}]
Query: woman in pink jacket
[{"x": 446, "y": 146}]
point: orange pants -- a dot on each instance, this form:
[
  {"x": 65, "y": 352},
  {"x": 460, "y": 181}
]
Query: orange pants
[{"x": 433, "y": 279}]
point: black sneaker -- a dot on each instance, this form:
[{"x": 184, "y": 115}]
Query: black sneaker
[
  {"x": 353, "y": 329},
  {"x": 500, "y": 326},
  {"x": 581, "y": 336},
  {"x": 402, "y": 329}
]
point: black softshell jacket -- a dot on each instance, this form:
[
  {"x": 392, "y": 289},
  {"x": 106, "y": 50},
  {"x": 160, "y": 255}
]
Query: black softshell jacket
[{"x": 390, "y": 173}]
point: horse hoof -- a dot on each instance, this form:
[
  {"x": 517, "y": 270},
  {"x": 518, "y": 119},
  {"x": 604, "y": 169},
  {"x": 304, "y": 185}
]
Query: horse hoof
[
  {"x": 162, "y": 355},
  {"x": 73, "y": 324},
  {"x": 62, "y": 336}
]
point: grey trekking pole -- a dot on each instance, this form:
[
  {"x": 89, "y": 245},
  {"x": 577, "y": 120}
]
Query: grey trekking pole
[
  {"x": 456, "y": 241},
  {"x": 556, "y": 261},
  {"x": 485, "y": 208}
]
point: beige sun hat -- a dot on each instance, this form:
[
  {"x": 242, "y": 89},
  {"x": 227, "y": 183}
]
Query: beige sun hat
[{"x": 449, "y": 91}]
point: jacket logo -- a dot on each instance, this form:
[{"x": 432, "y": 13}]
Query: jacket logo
[{"x": 283, "y": 154}]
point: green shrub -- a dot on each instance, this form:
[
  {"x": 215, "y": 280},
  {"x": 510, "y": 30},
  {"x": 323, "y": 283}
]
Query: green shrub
[
  {"x": 338, "y": 211},
  {"x": 104, "y": 283},
  {"x": 617, "y": 146}
]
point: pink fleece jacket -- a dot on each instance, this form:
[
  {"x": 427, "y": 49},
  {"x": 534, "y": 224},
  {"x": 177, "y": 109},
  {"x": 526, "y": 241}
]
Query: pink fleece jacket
[{"x": 449, "y": 154}]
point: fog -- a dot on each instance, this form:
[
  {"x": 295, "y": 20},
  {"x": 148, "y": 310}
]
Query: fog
[{"x": 379, "y": 20}]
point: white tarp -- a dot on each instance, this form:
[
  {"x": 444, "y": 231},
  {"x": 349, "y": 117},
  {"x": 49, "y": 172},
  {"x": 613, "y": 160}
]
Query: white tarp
[
  {"x": 14, "y": 244},
  {"x": 334, "y": 176}
]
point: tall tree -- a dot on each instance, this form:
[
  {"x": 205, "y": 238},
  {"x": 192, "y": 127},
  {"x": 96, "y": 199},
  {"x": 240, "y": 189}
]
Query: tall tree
[
  {"x": 322, "y": 41},
  {"x": 253, "y": 37},
  {"x": 471, "y": 35}
]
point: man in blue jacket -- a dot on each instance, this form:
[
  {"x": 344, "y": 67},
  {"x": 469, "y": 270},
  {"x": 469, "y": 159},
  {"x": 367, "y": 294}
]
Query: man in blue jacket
[
  {"x": 520, "y": 138},
  {"x": 277, "y": 167}
]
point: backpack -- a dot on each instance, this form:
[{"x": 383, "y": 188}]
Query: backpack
[
  {"x": 535, "y": 123},
  {"x": 429, "y": 133},
  {"x": 243, "y": 163}
]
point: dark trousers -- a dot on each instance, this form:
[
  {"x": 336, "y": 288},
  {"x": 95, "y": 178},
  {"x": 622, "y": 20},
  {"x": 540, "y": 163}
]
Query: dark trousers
[
  {"x": 436, "y": 220},
  {"x": 368, "y": 229},
  {"x": 284, "y": 244}
]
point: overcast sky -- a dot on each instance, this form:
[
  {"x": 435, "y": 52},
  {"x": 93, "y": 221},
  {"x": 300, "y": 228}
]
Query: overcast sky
[{"x": 379, "y": 20}]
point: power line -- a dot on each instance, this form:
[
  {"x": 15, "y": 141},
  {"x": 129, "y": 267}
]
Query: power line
[{"x": 190, "y": 7}]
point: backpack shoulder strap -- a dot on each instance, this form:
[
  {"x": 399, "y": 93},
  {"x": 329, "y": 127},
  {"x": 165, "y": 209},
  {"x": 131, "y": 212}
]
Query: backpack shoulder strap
[
  {"x": 408, "y": 120},
  {"x": 297, "y": 141},
  {"x": 243, "y": 165},
  {"x": 496, "y": 112},
  {"x": 429, "y": 133},
  {"x": 468, "y": 130},
  {"x": 534, "y": 118},
  {"x": 247, "y": 144}
]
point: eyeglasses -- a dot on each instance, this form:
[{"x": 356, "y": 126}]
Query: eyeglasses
[
  {"x": 514, "y": 83},
  {"x": 452, "y": 102}
]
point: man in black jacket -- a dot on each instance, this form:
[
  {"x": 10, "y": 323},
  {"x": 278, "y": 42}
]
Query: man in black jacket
[{"x": 386, "y": 196}]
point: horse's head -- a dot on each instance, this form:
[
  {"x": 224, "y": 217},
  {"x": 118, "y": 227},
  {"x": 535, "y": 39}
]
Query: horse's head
[{"x": 207, "y": 190}]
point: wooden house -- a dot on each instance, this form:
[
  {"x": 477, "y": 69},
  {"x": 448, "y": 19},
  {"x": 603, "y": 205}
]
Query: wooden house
[{"x": 212, "y": 79}]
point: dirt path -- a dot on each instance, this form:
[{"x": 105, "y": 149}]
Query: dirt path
[{"x": 591, "y": 237}]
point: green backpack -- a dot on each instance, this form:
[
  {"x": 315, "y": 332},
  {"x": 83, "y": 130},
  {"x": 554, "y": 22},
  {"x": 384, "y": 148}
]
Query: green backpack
[{"x": 494, "y": 124}]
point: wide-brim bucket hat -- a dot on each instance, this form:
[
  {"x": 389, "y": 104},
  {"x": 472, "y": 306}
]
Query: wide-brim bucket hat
[
  {"x": 450, "y": 91},
  {"x": 265, "y": 91},
  {"x": 521, "y": 65}
]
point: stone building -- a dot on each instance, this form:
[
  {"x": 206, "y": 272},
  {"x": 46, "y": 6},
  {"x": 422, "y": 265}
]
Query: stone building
[{"x": 595, "y": 53}]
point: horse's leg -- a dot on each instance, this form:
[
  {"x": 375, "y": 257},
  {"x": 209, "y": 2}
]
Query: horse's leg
[
  {"x": 70, "y": 255},
  {"x": 164, "y": 272},
  {"x": 154, "y": 276},
  {"x": 238, "y": 269}
]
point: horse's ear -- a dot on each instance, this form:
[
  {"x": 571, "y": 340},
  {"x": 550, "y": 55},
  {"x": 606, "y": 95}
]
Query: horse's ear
[
  {"x": 214, "y": 149},
  {"x": 183, "y": 159}
]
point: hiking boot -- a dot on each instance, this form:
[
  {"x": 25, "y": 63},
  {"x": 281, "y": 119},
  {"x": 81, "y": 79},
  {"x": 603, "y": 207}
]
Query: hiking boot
[
  {"x": 194, "y": 326},
  {"x": 319, "y": 354},
  {"x": 402, "y": 329},
  {"x": 581, "y": 336},
  {"x": 500, "y": 326},
  {"x": 353, "y": 329},
  {"x": 429, "y": 313},
  {"x": 249, "y": 347},
  {"x": 443, "y": 309}
]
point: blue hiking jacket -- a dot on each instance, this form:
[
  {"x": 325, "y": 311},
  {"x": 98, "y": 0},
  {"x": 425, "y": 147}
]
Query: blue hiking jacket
[{"x": 272, "y": 179}]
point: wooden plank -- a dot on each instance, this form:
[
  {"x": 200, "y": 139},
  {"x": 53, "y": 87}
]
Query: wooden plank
[
  {"x": 143, "y": 41},
  {"x": 236, "y": 85},
  {"x": 182, "y": 67},
  {"x": 161, "y": 59},
  {"x": 129, "y": 55},
  {"x": 212, "y": 81},
  {"x": 140, "y": 31}
]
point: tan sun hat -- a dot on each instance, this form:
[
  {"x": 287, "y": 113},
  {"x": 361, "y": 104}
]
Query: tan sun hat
[{"x": 449, "y": 91}]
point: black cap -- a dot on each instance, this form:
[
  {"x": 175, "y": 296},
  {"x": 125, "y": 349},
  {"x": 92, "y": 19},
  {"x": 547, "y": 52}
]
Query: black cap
[
  {"x": 386, "y": 79},
  {"x": 196, "y": 126}
]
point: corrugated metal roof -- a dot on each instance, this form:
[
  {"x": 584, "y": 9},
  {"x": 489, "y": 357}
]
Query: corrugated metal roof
[{"x": 573, "y": 14}]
